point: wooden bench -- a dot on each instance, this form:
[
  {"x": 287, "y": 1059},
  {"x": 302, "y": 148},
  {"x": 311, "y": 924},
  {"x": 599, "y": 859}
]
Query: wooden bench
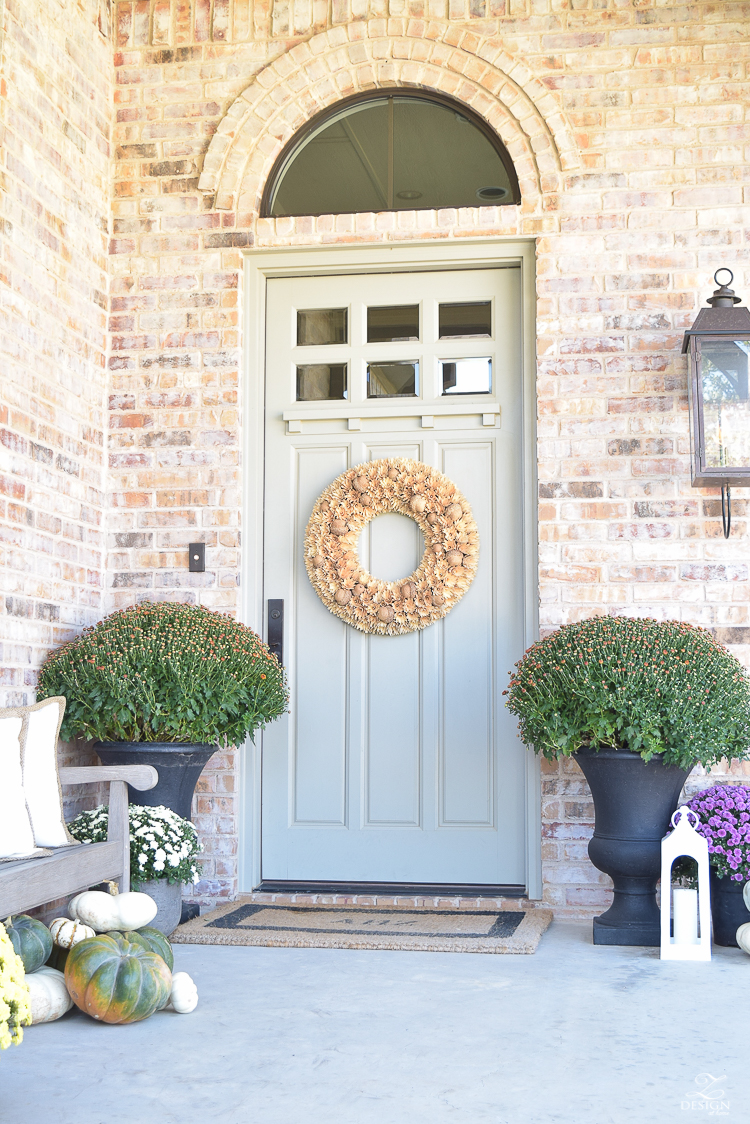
[{"x": 32, "y": 882}]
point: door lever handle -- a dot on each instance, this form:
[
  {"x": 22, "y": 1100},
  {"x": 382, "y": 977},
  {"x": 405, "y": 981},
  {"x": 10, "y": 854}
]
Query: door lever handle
[{"x": 275, "y": 631}]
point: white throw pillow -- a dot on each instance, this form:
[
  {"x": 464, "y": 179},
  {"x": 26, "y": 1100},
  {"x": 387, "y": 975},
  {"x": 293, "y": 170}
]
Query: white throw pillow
[
  {"x": 40, "y": 780},
  {"x": 16, "y": 836}
]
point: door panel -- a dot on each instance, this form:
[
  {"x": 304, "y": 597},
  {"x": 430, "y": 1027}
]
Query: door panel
[
  {"x": 467, "y": 718},
  {"x": 393, "y": 770},
  {"x": 397, "y": 762},
  {"x": 319, "y": 709}
]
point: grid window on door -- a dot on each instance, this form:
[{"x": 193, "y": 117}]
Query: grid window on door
[
  {"x": 319, "y": 326},
  {"x": 317, "y": 382},
  {"x": 393, "y": 380},
  {"x": 393, "y": 323},
  {"x": 466, "y": 376},
  {"x": 467, "y": 320}
]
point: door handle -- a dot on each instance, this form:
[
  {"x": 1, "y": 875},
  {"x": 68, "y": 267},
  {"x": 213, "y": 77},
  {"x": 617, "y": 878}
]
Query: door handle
[{"x": 276, "y": 628}]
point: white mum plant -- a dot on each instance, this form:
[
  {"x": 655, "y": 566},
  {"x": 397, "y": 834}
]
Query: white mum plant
[{"x": 162, "y": 844}]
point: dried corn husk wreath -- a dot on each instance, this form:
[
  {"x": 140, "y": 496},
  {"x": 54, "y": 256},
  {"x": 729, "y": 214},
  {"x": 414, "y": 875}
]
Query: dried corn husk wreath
[{"x": 448, "y": 564}]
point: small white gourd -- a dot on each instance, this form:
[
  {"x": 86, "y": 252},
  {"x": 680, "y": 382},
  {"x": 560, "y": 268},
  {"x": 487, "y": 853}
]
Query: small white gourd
[
  {"x": 743, "y": 937},
  {"x": 66, "y": 933},
  {"x": 104, "y": 912},
  {"x": 48, "y": 995},
  {"x": 184, "y": 997}
]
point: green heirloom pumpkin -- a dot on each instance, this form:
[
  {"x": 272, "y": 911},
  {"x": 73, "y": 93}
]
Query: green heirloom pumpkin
[
  {"x": 31, "y": 940},
  {"x": 153, "y": 941},
  {"x": 115, "y": 980},
  {"x": 57, "y": 958}
]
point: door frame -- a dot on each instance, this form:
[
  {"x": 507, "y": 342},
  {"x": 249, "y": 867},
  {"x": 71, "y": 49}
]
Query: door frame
[{"x": 259, "y": 266}]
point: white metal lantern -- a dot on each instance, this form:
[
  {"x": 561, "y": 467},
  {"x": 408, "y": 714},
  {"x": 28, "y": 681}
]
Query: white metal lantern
[{"x": 687, "y": 905}]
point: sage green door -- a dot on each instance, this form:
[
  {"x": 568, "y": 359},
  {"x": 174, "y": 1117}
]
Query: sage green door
[{"x": 397, "y": 761}]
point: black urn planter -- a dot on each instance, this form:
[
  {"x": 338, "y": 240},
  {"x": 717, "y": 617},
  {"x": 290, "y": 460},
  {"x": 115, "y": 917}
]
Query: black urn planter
[
  {"x": 633, "y": 803},
  {"x": 728, "y": 909},
  {"x": 179, "y": 764}
]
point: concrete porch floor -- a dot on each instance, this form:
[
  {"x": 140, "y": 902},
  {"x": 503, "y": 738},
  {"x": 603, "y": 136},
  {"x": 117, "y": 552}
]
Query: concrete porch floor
[{"x": 572, "y": 1034}]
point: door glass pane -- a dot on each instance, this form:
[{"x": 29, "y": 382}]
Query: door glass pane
[
  {"x": 392, "y": 380},
  {"x": 316, "y": 381},
  {"x": 466, "y": 376},
  {"x": 393, "y": 323},
  {"x": 321, "y": 325},
  {"x": 726, "y": 405},
  {"x": 469, "y": 321}
]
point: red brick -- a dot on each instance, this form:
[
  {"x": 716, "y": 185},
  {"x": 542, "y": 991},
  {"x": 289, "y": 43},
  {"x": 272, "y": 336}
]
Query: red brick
[{"x": 649, "y": 203}]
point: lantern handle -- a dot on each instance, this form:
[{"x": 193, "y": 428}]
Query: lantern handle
[
  {"x": 724, "y": 297},
  {"x": 683, "y": 810},
  {"x": 726, "y": 509}
]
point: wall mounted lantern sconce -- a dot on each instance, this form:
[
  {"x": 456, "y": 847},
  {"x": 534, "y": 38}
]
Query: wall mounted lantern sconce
[{"x": 718, "y": 345}]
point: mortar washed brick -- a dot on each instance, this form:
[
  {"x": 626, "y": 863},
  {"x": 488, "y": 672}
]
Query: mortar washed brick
[{"x": 626, "y": 122}]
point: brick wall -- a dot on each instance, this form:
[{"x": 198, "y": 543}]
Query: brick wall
[
  {"x": 631, "y": 219},
  {"x": 55, "y": 121},
  {"x": 626, "y": 120}
]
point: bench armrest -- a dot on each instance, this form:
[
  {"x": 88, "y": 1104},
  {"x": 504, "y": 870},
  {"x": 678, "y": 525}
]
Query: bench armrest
[{"x": 141, "y": 777}]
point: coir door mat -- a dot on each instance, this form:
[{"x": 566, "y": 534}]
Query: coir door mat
[{"x": 320, "y": 926}]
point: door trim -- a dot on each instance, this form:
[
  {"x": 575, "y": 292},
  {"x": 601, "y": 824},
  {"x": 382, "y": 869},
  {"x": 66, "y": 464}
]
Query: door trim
[
  {"x": 394, "y": 889},
  {"x": 263, "y": 264}
]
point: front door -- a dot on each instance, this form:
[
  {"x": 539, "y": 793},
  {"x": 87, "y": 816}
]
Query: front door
[{"x": 397, "y": 761}]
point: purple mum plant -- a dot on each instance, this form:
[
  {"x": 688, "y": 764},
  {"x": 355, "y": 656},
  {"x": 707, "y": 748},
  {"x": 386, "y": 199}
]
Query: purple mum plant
[{"x": 724, "y": 815}]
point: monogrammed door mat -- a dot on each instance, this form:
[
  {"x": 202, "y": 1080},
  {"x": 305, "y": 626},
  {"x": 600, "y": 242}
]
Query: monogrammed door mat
[{"x": 320, "y": 926}]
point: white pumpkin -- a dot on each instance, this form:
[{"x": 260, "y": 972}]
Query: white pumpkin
[
  {"x": 743, "y": 937},
  {"x": 746, "y": 894},
  {"x": 103, "y": 912},
  {"x": 184, "y": 997},
  {"x": 48, "y": 995},
  {"x": 66, "y": 933}
]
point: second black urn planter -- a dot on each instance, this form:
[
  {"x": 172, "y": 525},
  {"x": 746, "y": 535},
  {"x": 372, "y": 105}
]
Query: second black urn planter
[
  {"x": 633, "y": 803},
  {"x": 178, "y": 764},
  {"x": 728, "y": 909}
]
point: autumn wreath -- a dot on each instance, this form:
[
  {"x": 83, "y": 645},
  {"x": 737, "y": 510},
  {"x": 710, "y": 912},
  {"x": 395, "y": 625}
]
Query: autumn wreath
[{"x": 448, "y": 564}]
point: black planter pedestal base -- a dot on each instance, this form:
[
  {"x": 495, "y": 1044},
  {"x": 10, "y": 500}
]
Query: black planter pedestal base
[
  {"x": 644, "y": 935},
  {"x": 634, "y": 917},
  {"x": 633, "y": 803}
]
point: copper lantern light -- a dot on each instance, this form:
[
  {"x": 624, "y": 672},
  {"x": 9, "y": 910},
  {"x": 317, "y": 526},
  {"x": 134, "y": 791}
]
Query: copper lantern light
[{"x": 718, "y": 345}]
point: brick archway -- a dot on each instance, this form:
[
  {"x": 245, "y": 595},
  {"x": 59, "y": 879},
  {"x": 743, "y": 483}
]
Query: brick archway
[{"x": 381, "y": 54}]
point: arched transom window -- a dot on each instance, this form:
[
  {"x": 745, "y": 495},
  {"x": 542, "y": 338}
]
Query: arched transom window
[{"x": 391, "y": 152}]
